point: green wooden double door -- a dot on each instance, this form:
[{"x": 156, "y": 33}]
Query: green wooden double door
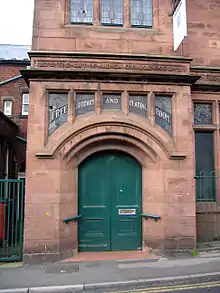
[{"x": 110, "y": 202}]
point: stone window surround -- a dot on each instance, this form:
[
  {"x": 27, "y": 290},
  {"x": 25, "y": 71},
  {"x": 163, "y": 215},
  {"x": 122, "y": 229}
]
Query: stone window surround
[
  {"x": 98, "y": 110},
  {"x": 127, "y": 22}
]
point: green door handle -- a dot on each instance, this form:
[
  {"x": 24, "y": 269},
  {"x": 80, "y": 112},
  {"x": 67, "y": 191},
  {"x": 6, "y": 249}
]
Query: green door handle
[
  {"x": 149, "y": 216},
  {"x": 75, "y": 219}
]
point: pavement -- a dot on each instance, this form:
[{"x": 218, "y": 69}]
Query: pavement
[{"x": 103, "y": 276}]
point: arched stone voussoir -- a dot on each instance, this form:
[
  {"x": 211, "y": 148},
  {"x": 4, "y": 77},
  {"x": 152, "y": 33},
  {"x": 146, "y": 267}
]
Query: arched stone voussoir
[
  {"x": 149, "y": 140},
  {"x": 111, "y": 142}
]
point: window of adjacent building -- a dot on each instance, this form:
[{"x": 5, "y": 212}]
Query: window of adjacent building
[
  {"x": 204, "y": 152},
  {"x": 112, "y": 12},
  {"x": 8, "y": 108},
  {"x": 25, "y": 103},
  {"x": 141, "y": 13},
  {"x": 81, "y": 11}
]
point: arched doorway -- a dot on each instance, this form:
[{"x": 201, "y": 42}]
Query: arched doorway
[{"x": 110, "y": 202}]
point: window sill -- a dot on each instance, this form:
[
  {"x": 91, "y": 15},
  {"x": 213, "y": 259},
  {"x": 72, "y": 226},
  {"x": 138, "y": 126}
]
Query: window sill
[
  {"x": 117, "y": 28},
  {"x": 22, "y": 116}
]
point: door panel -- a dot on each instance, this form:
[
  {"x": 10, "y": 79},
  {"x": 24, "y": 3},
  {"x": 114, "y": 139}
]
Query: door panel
[
  {"x": 125, "y": 203},
  {"x": 94, "y": 227},
  {"x": 109, "y": 189}
]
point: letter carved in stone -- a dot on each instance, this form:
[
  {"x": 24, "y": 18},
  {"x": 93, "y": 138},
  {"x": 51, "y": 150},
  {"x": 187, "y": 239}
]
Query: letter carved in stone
[{"x": 109, "y": 66}]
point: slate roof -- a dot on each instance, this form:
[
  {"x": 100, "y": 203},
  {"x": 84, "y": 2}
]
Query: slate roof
[{"x": 14, "y": 52}]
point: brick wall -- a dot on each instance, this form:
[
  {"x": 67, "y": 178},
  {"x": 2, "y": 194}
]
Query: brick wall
[{"x": 13, "y": 90}]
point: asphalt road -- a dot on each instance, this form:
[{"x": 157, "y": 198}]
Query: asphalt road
[{"x": 211, "y": 287}]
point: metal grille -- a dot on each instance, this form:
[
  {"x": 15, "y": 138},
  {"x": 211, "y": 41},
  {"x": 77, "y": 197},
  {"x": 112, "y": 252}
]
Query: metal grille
[
  {"x": 11, "y": 219},
  {"x": 202, "y": 114},
  {"x": 141, "y": 13},
  {"x": 112, "y": 12},
  {"x": 81, "y": 11},
  {"x": 207, "y": 209}
]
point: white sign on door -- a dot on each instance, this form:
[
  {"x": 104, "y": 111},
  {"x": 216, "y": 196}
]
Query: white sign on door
[{"x": 127, "y": 211}]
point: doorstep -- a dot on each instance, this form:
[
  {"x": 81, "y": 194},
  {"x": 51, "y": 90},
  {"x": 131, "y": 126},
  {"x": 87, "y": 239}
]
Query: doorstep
[{"x": 111, "y": 256}]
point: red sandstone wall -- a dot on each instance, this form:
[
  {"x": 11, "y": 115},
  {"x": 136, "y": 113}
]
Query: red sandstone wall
[
  {"x": 204, "y": 32},
  {"x": 52, "y": 31}
]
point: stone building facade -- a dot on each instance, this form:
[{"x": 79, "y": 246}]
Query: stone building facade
[{"x": 118, "y": 124}]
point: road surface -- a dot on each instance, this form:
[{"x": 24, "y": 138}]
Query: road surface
[{"x": 211, "y": 287}]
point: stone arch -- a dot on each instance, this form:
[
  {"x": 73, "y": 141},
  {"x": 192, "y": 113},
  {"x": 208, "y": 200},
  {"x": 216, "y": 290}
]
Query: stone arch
[
  {"x": 111, "y": 142},
  {"x": 145, "y": 140},
  {"x": 69, "y": 137}
]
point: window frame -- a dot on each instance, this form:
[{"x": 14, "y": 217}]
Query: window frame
[
  {"x": 141, "y": 26},
  {"x": 111, "y": 24},
  {"x": 24, "y": 113},
  {"x": 202, "y": 128},
  {"x": 97, "y": 16},
  {"x": 4, "y": 107},
  {"x": 81, "y": 22}
]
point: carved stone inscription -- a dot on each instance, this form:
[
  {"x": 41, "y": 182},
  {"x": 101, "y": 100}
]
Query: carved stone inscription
[
  {"x": 150, "y": 67},
  {"x": 84, "y": 103},
  {"x": 138, "y": 104},
  {"x": 163, "y": 113},
  {"x": 57, "y": 111},
  {"x": 111, "y": 101}
]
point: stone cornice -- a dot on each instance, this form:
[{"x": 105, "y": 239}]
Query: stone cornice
[
  {"x": 210, "y": 78},
  {"x": 67, "y": 75},
  {"x": 112, "y": 56}
]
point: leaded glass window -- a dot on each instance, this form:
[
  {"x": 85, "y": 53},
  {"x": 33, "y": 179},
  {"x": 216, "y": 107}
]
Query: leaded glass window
[
  {"x": 57, "y": 111},
  {"x": 81, "y": 11},
  {"x": 111, "y": 101},
  {"x": 163, "y": 113},
  {"x": 202, "y": 114},
  {"x": 141, "y": 13},
  {"x": 84, "y": 103},
  {"x": 112, "y": 12}
]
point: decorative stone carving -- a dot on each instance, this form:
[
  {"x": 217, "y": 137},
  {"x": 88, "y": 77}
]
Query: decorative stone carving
[{"x": 109, "y": 66}]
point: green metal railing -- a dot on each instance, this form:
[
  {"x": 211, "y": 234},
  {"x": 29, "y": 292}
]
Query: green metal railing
[
  {"x": 207, "y": 207},
  {"x": 11, "y": 219}
]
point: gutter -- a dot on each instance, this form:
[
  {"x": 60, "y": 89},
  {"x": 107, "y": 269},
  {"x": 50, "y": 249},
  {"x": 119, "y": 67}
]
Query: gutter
[{"x": 10, "y": 79}]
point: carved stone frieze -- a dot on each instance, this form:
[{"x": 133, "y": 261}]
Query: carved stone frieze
[
  {"x": 210, "y": 78},
  {"x": 111, "y": 66}
]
